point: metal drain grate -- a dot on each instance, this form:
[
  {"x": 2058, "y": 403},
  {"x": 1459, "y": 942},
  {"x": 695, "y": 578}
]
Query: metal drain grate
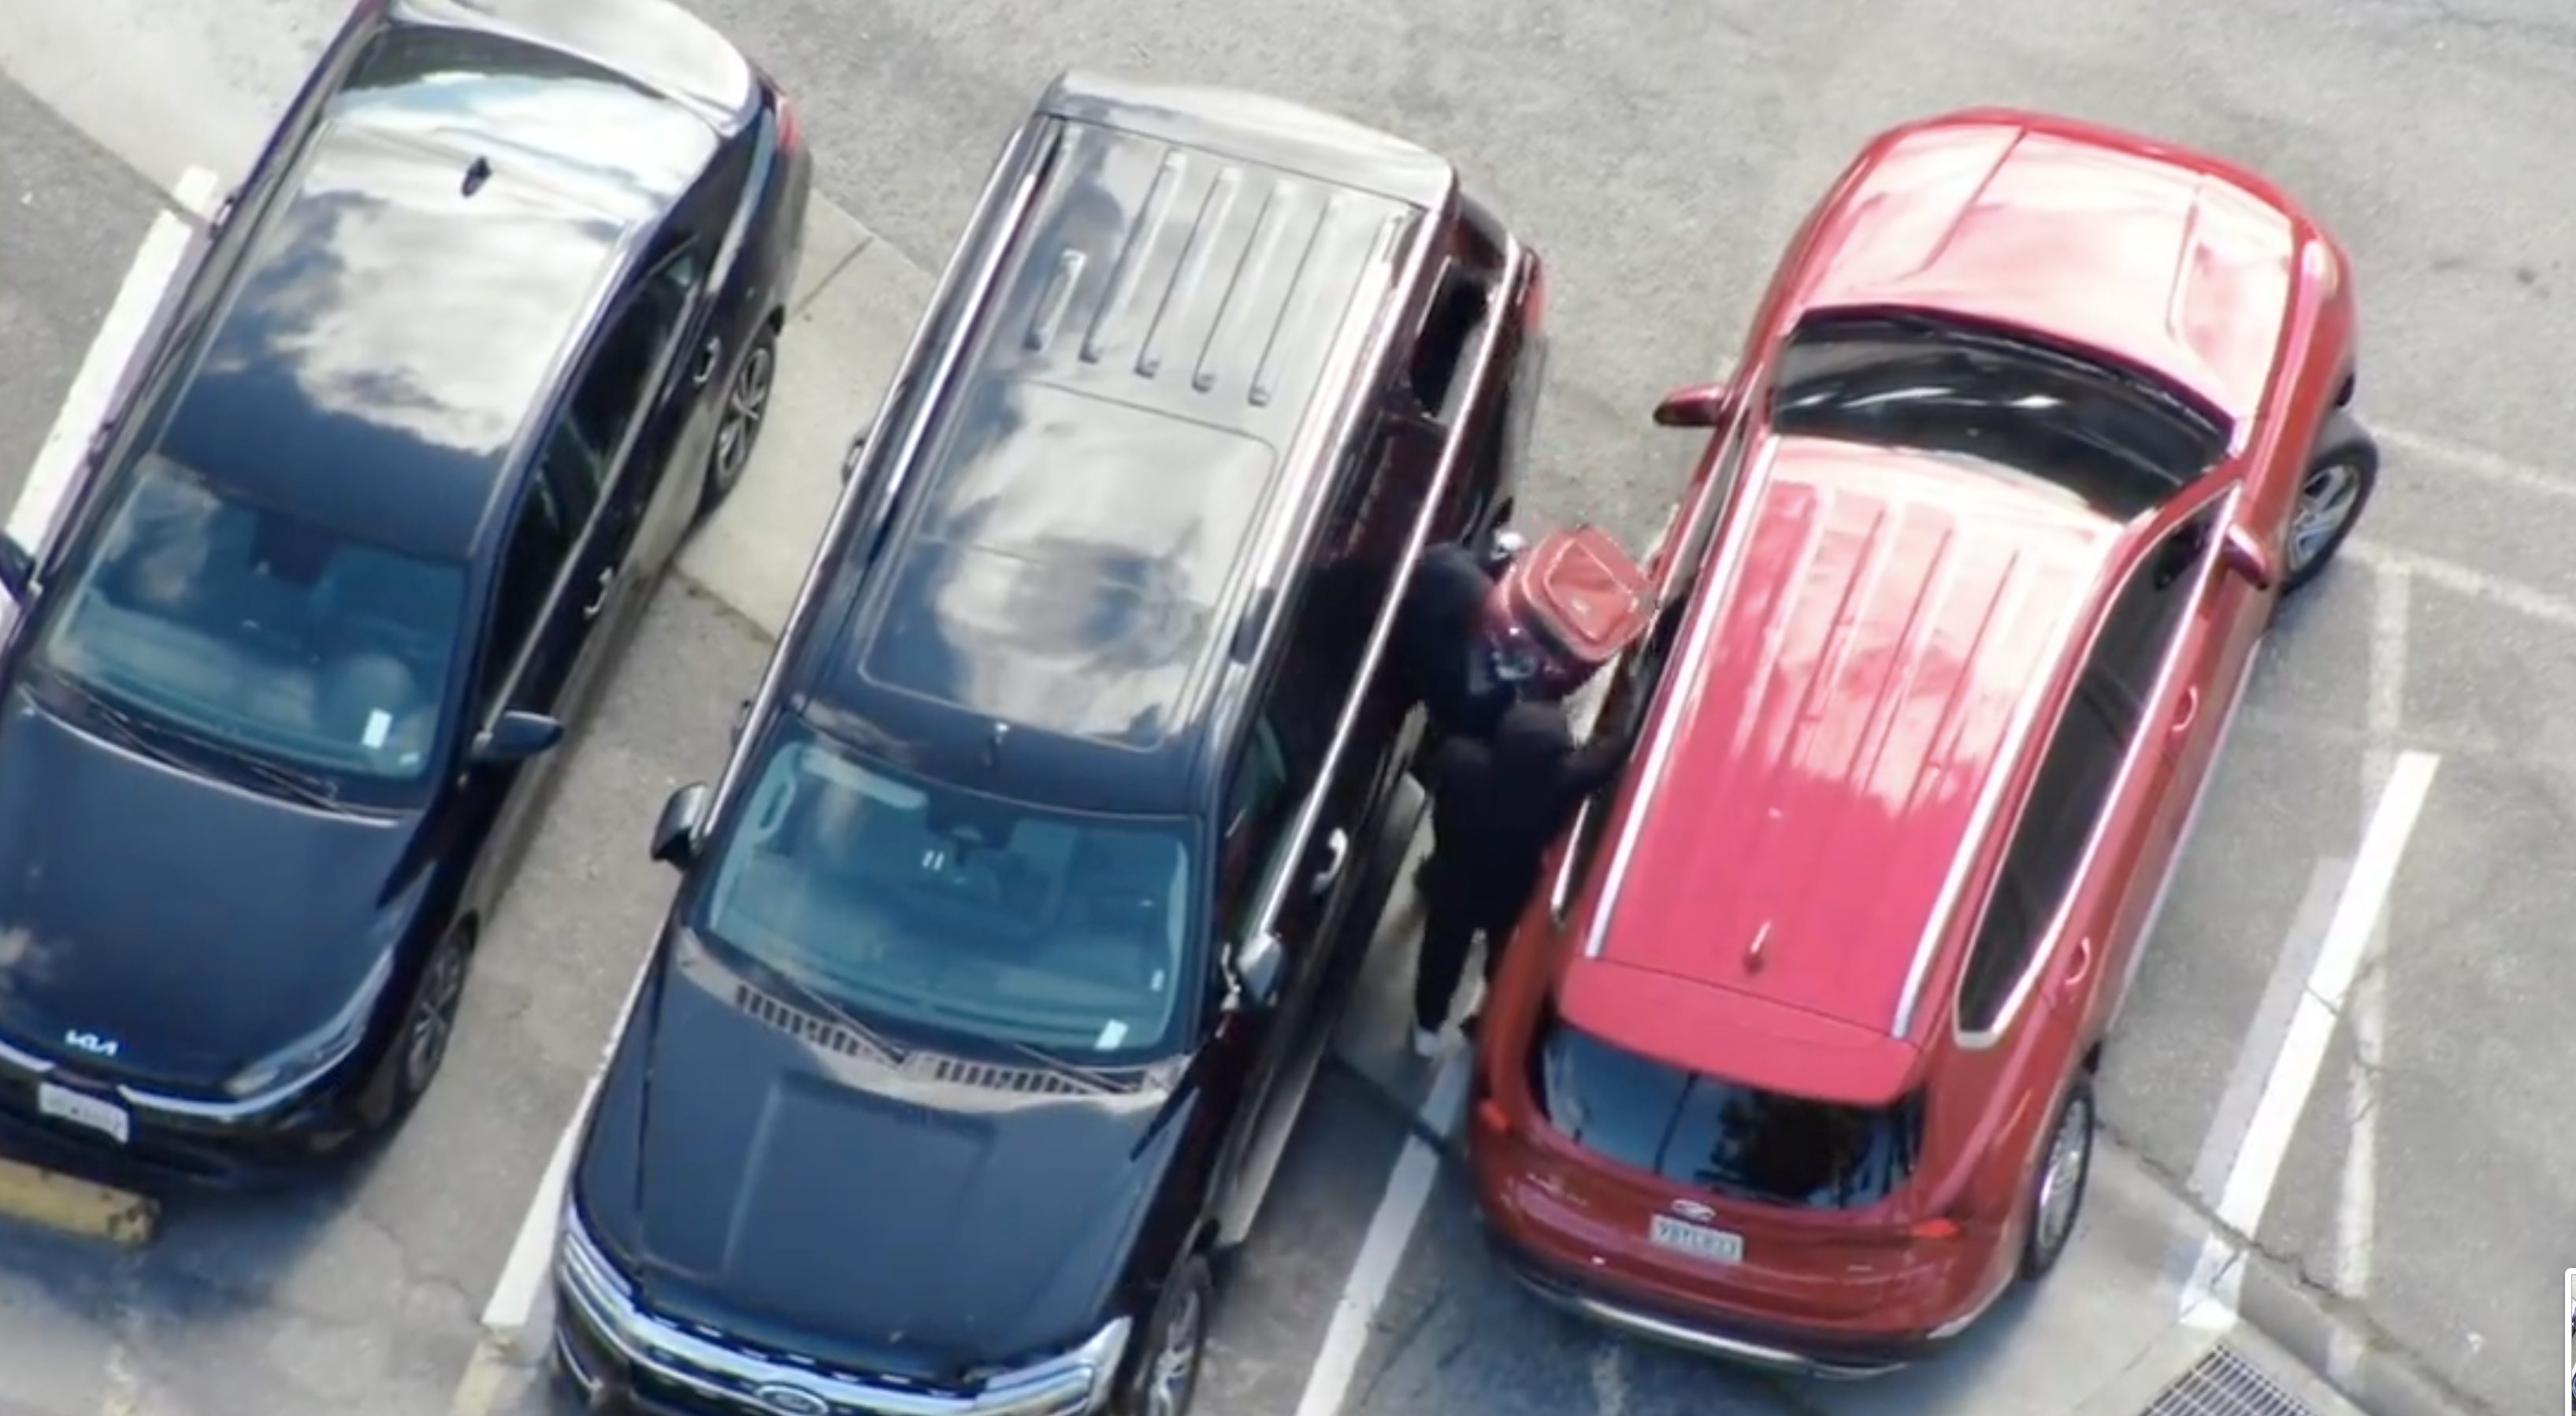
[{"x": 2223, "y": 1383}]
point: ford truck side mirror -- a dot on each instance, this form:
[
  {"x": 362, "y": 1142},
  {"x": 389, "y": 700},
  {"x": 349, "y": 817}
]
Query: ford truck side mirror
[
  {"x": 675, "y": 835},
  {"x": 1698, "y": 406},
  {"x": 1258, "y": 964},
  {"x": 17, "y": 568},
  {"x": 2245, "y": 555}
]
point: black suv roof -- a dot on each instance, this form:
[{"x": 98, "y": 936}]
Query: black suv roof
[
  {"x": 1289, "y": 137},
  {"x": 394, "y": 327},
  {"x": 1147, "y": 408}
]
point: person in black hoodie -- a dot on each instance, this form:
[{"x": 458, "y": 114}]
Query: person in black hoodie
[
  {"x": 1446, "y": 636},
  {"x": 1497, "y": 803}
]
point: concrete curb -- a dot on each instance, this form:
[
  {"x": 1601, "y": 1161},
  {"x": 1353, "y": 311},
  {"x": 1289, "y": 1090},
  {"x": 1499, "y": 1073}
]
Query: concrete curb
[
  {"x": 69, "y": 1204},
  {"x": 2306, "y": 1329},
  {"x": 2313, "y": 1332},
  {"x": 2309, "y": 1327}
]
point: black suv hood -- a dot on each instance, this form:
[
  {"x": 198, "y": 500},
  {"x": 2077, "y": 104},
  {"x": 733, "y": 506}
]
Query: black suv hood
[
  {"x": 825, "y": 1204},
  {"x": 200, "y": 926}
]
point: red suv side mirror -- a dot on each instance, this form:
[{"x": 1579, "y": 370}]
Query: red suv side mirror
[
  {"x": 1698, "y": 406},
  {"x": 2244, "y": 554}
]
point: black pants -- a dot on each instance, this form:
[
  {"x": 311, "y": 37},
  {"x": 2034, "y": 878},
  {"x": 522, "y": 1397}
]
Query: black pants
[{"x": 1459, "y": 899}]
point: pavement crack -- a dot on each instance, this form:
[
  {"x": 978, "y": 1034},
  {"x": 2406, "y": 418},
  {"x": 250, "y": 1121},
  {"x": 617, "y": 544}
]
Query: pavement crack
[
  {"x": 867, "y": 239},
  {"x": 725, "y": 609},
  {"x": 2449, "y": 14},
  {"x": 1407, "y": 1336},
  {"x": 2341, "y": 1311}
]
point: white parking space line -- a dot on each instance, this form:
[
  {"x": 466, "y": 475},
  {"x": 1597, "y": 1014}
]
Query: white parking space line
[
  {"x": 2233, "y": 1120},
  {"x": 523, "y": 1272},
  {"x": 2477, "y": 462},
  {"x": 487, "y": 1376},
  {"x": 2211, "y": 1292},
  {"x": 122, "y": 1390},
  {"x": 2357, "y": 1193},
  {"x": 58, "y": 460},
  {"x": 1382, "y": 1248},
  {"x": 531, "y": 1256},
  {"x": 2476, "y": 583},
  {"x": 1610, "y": 1377}
]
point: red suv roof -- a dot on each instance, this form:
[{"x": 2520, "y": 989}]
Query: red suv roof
[{"x": 1880, "y": 622}]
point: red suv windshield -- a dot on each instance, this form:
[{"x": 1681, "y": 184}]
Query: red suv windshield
[{"x": 1714, "y": 1135}]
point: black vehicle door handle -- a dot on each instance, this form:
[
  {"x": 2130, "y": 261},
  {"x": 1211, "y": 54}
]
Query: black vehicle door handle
[
  {"x": 1337, "y": 849},
  {"x": 599, "y": 594},
  {"x": 708, "y": 357}
]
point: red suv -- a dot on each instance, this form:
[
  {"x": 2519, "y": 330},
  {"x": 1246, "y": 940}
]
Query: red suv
[{"x": 2036, "y": 424}]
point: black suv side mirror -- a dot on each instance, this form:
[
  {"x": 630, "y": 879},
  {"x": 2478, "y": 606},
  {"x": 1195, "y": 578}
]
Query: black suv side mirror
[
  {"x": 17, "y": 568},
  {"x": 515, "y": 737},
  {"x": 1259, "y": 964},
  {"x": 675, "y": 836}
]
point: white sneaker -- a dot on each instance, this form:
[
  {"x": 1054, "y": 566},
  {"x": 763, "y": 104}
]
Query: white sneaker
[{"x": 1426, "y": 1043}]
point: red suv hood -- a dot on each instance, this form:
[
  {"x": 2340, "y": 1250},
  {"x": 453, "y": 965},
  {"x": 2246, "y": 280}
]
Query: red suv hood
[{"x": 2146, "y": 259}]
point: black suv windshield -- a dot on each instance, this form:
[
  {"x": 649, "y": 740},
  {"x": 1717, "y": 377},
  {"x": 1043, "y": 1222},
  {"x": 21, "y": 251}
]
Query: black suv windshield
[
  {"x": 264, "y": 635},
  {"x": 2108, "y": 438},
  {"x": 1714, "y": 1135},
  {"x": 913, "y": 903}
]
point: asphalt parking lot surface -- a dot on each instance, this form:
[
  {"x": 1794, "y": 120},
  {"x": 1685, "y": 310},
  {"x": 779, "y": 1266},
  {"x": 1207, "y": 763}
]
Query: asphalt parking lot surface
[
  {"x": 1658, "y": 153},
  {"x": 71, "y": 220}
]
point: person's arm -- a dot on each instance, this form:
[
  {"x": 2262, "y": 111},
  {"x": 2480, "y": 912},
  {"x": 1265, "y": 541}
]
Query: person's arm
[{"x": 1588, "y": 767}]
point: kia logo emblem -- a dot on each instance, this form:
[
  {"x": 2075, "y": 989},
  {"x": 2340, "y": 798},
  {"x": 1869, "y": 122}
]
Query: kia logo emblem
[
  {"x": 792, "y": 1401},
  {"x": 92, "y": 1043},
  {"x": 1694, "y": 1210}
]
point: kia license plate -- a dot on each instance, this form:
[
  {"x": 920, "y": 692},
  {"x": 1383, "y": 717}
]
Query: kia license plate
[
  {"x": 81, "y": 1109},
  {"x": 1697, "y": 1240}
]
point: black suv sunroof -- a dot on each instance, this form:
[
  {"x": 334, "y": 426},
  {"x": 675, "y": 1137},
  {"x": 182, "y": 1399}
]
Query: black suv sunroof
[{"x": 1068, "y": 563}]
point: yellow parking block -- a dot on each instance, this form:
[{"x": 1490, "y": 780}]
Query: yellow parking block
[{"x": 76, "y": 1206}]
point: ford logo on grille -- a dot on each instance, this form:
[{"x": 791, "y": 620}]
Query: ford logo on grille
[
  {"x": 792, "y": 1401},
  {"x": 1694, "y": 1210}
]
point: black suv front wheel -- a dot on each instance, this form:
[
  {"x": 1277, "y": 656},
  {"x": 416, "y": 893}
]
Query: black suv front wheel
[{"x": 1167, "y": 1366}]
